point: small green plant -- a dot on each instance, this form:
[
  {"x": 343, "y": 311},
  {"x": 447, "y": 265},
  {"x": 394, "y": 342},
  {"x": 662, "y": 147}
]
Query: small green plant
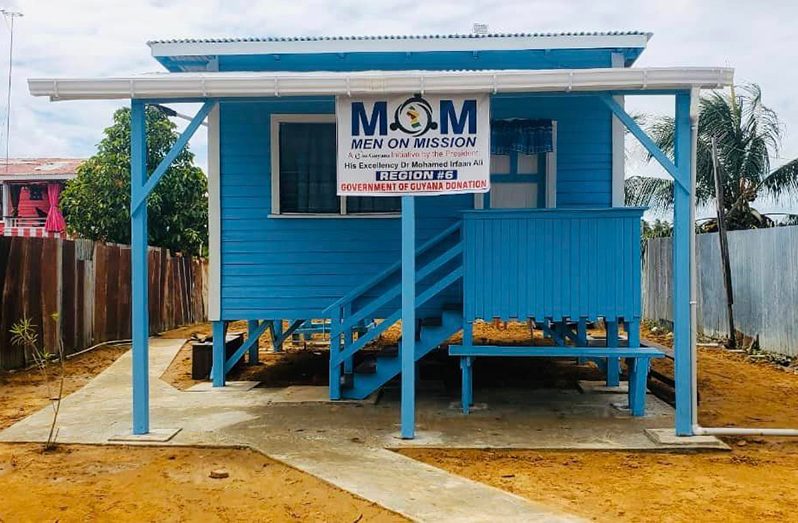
[{"x": 51, "y": 366}]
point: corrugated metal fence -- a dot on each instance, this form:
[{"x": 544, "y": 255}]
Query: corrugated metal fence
[
  {"x": 88, "y": 284},
  {"x": 764, "y": 266}
]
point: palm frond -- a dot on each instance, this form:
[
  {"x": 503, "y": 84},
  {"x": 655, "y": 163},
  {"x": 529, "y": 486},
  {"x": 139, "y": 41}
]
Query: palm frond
[
  {"x": 783, "y": 180},
  {"x": 646, "y": 191},
  {"x": 747, "y": 133}
]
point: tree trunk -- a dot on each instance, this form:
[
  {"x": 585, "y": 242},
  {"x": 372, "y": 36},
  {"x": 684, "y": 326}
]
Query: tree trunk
[{"x": 724, "y": 248}]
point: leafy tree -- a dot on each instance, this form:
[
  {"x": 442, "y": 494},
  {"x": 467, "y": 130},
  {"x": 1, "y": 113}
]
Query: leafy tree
[
  {"x": 748, "y": 135},
  {"x": 657, "y": 229},
  {"x": 96, "y": 203}
]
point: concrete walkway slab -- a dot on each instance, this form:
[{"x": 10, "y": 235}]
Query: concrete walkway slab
[
  {"x": 589, "y": 387},
  {"x": 331, "y": 441},
  {"x": 153, "y": 436},
  {"x": 347, "y": 443},
  {"x": 312, "y": 394},
  {"x": 230, "y": 386},
  {"x": 668, "y": 437}
]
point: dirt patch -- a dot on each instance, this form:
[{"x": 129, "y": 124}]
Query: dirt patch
[
  {"x": 24, "y": 392},
  {"x": 621, "y": 486},
  {"x": 89, "y": 483},
  {"x": 295, "y": 365},
  {"x": 738, "y": 392},
  {"x": 755, "y": 481},
  {"x": 299, "y": 364}
]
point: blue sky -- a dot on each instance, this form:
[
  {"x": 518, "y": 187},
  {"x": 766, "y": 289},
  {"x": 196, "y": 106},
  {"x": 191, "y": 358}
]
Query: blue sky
[{"x": 107, "y": 37}]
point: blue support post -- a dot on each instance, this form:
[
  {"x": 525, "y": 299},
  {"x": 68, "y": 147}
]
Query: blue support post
[
  {"x": 467, "y": 370},
  {"x": 139, "y": 282},
  {"x": 277, "y": 335},
  {"x": 613, "y": 364},
  {"x": 682, "y": 213},
  {"x": 219, "y": 330},
  {"x": 182, "y": 140},
  {"x": 252, "y": 326},
  {"x": 638, "y": 376},
  {"x": 467, "y": 384},
  {"x": 633, "y": 332},
  {"x": 408, "y": 347}
]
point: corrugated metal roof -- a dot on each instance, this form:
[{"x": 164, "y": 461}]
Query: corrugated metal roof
[
  {"x": 394, "y": 37},
  {"x": 32, "y": 168}
]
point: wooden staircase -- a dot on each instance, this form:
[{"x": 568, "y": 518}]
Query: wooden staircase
[{"x": 359, "y": 368}]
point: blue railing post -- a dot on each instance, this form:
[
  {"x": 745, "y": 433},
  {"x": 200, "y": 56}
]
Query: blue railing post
[
  {"x": 335, "y": 350},
  {"x": 139, "y": 282},
  {"x": 349, "y": 363},
  {"x": 681, "y": 269},
  {"x": 408, "y": 348}
]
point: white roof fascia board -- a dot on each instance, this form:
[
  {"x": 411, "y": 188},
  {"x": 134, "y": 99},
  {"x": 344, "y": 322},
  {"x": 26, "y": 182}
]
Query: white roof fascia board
[
  {"x": 34, "y": 177},
  {"x": 408, "y": 45},
  {"x": 269, "y": 84}
]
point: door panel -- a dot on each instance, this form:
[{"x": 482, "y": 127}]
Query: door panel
[{"x": 514, "y": 196}]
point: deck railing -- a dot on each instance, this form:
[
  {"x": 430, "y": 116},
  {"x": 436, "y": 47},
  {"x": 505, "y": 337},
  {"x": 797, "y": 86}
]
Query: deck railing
[
  {"x": 552, "y": 263},
  {"x": 24, "y": 221}
]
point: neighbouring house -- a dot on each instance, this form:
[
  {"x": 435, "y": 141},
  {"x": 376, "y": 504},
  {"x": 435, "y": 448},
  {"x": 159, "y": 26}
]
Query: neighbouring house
[
  {"x": 544, "y": 238},
  {"x": 30, "y": 189}
]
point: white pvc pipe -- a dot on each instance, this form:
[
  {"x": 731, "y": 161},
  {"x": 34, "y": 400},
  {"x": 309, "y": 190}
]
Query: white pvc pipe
[
  {"x": 695, "y": 95},
  {"x": 739, "y": 431}
]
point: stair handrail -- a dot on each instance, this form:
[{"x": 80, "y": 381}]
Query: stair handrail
[
  {"x": 357, "y": 291},
  {"x": 337, "y": 356}
]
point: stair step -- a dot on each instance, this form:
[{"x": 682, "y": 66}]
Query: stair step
[{"x": 389, "y": 351}]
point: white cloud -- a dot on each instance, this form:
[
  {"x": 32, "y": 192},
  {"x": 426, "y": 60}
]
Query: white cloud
[{"x": 107, "y": 37}]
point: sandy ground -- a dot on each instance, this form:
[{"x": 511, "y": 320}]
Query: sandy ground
[
  {"x": 24, "y": 392},
  {"x": 95, "y": 483},
  {"x": 87, "y": 483},
  {"x": 756, "y": 481},
  {"x": 296, "y": 365}
]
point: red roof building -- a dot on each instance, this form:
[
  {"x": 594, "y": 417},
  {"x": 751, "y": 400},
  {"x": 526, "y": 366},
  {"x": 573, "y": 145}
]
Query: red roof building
[{"x": 29, "y": 195}]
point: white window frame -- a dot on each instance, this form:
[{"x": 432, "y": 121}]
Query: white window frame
[{"x": 276, "y": 212}]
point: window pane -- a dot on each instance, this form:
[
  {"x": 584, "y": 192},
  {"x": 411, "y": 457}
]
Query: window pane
[
  {"x": 307, "y": 168},
  {"x": 528, "y": 163},
  {"x": 499, "y": 163},
  {"x": 364, "y": 204}
]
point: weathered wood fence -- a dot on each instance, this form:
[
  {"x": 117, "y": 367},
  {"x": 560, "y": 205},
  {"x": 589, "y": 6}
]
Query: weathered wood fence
[
  {"x": 87, "y": 284},
  {"x": 764, "y": 264}
]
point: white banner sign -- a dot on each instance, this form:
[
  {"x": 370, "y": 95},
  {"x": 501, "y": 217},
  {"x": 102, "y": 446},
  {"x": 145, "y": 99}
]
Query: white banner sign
[{"x": 413, "y": 145}]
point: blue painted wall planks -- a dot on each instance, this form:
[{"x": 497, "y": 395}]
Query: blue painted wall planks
[{"x": 295, "y": 267}]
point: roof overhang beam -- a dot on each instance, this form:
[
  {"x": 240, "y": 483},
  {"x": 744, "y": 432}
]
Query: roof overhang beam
[{"x": 197, "y": 86}]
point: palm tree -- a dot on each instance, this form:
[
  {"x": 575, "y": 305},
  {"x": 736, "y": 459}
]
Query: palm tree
[{"x": 748, "y": 135}]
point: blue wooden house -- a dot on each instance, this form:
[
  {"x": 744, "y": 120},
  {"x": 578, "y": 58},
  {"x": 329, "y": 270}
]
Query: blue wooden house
[{"x": 550, "y": 242}]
